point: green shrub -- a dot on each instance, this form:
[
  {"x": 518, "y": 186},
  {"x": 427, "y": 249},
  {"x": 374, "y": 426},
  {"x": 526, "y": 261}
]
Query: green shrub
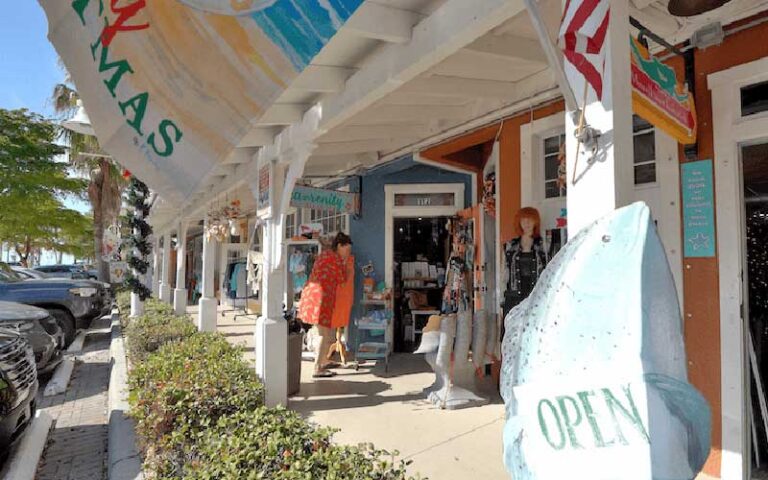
[
  {"x": 156, "y": 306},
  {"x": 123, "y": 299},
  {"x": 184, "y": 388},
  {"x": 278, "y": 444},
  {"x": 151, "y": 306},
  {"x": 154, "y": 329}
]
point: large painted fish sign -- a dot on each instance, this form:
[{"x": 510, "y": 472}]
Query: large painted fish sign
[{"x": 594, "y": 374}]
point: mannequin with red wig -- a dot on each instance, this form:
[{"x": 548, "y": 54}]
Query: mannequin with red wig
[{"x": 525, "y": 257}]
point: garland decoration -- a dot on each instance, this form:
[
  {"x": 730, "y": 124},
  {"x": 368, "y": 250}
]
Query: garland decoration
[{"x": 136, "y": 243}]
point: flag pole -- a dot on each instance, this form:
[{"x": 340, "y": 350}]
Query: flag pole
[
  {"x": 552, "y": 57},
  {"x": 580, "y": 131}
]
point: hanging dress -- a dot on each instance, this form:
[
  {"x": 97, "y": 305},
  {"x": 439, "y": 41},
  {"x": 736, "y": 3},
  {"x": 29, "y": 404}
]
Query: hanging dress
[{"x": 345, "y": 297}]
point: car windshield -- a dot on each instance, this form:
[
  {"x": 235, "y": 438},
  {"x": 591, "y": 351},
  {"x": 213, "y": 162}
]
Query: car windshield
[{"x": 8, "y": 275}]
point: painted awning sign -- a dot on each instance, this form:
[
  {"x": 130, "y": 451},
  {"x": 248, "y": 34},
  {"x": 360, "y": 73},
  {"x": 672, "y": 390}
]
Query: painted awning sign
[
  {"x": 324, "y": 199},
  {"x": 659, "y": 98},
  {"x": 173, "y": 86}
]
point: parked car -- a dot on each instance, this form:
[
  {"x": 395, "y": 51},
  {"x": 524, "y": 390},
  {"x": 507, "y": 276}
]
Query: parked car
[
  {"x": 75, "y": 272},
  {"x": 28, "y": 273},
  {"x": 35, "y": 324},
  {"x": 18, "y": 387},
  {"x": 73, "y": 303},
  {"x": 104, "y": 300}
]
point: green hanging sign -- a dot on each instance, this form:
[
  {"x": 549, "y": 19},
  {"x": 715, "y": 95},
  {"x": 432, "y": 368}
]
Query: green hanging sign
[{"x": 325, "y": 199}]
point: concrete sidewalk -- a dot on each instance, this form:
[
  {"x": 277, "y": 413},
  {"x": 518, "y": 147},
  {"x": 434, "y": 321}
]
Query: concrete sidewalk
[
  {"x": 77, "y": 444},
  {"x": 389, "y": 410}
]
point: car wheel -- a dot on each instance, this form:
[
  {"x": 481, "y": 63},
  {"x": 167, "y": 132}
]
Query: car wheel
[{"x": 67, "y": 324}]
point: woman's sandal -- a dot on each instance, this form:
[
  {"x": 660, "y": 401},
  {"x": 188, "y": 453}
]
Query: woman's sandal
[{"x": 324, "y": 374}]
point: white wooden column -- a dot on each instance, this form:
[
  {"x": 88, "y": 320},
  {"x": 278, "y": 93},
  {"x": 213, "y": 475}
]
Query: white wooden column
[
  {"x": 156, "y": 267},
  {"x": 206, "y": 315},
  {"x": 604, "y": 181},
  {"x": 271, "y": 335},
  {"x": 286, "y": 158},
  {"x": 180, "y": 293},
  {"x": 165, "y": 278}
]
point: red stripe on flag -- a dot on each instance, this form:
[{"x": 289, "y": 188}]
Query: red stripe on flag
[
  {"x": 591, "y": 75},
  {"x": 595, "y": 44}
]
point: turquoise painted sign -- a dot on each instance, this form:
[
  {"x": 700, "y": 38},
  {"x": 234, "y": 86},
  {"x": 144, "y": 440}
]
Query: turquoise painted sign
[
  {"x": 698, "y": 209},
  {"x": 322, "y": 199}
]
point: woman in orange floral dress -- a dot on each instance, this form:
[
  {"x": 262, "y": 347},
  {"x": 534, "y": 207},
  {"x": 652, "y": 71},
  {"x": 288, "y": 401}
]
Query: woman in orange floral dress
[{"x": 318, "y": 299}]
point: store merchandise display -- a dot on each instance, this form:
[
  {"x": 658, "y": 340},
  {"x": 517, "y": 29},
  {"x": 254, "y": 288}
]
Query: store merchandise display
[
  {"x": 448, "y": 352},
  {"x": 611, "y": 288}
]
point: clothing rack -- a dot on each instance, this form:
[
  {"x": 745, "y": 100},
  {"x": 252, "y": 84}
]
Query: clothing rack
[{"x": 240, "y": 311}]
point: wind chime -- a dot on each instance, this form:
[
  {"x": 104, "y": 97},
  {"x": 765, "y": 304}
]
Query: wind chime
[{"x": 224, "y": 221}]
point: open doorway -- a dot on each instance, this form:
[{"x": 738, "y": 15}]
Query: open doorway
[
  {"x": 755, "y": 182},
  {"x": 420, "y": 250}
]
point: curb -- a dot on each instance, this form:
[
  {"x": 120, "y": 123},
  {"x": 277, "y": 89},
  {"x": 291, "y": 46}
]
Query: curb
[
  {"x": 123, "y": 456},
  {"x": 22, "y": 465},
  {"x": 77, "y": 345},
  {"x": 60, "y": 380}
]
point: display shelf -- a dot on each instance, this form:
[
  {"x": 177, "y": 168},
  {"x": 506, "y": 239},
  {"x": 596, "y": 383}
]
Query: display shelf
[
  {"x": 375, "y": 302},
  {"x": 414, "y": 315},
  {"x": 374, "y": 339}
]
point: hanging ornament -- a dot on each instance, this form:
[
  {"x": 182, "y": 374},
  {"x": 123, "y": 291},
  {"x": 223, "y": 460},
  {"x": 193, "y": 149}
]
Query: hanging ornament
[{"x": 136, "y": 243}]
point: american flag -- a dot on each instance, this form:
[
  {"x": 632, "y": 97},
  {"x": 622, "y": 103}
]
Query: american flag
[{"x": 582, "y": 38}]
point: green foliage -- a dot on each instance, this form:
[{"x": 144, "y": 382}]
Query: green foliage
[
  {"x": 33, "y": 185},
  {"x": 183, "y": 389},
  {"x": 200, "y": 416},
  {"x": 123, "y": 300},
  {"x": 155, "y": 328},
  {"x": 278, "y": 444}
]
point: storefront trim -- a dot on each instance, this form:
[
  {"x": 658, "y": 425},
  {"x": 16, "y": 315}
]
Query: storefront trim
[{"x": 418, "y": 158}]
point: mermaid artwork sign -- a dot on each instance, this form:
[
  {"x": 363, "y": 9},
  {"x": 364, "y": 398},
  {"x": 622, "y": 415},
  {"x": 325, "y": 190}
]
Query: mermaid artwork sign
[
  {"x": 594, "y": 370},
  {"x": 659, "y": 98}
]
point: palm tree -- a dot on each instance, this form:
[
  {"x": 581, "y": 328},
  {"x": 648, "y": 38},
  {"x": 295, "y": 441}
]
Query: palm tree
[{"x": 105, "y": 181}]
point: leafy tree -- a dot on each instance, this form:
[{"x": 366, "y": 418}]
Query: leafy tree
[
  {"x": 105, "y": 182},
  {"x": 32, "y": 185}
]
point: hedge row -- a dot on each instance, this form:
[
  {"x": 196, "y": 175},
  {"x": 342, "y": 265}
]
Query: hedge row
[{"x": 199, "y": 415}]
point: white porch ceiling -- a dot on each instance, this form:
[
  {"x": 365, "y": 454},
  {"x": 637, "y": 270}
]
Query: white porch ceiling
[{"x": 403, "y": 71}]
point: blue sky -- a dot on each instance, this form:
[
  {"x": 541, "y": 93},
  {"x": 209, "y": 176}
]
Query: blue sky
[{"x": 28, "y": 63}]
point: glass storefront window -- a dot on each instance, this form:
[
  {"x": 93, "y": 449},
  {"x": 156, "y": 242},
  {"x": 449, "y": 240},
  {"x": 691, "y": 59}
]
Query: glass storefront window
[
  {"x": 754, "y": 99},
  {"x": 645, "y": 151},
  {"x": 552, "y": 186}
]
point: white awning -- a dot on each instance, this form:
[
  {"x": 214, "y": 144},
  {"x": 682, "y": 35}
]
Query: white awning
[{"x": 173, "y": 86}]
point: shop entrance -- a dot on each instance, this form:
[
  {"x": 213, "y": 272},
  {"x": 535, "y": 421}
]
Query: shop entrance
[
  {"x": 420, "y": 249},
  {"x": 416, "y": 248},
  {"x": 754, "y": 165}
]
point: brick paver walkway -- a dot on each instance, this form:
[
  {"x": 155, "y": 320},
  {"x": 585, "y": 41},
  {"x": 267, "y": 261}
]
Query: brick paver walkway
[{"x": 77, "y": 444}]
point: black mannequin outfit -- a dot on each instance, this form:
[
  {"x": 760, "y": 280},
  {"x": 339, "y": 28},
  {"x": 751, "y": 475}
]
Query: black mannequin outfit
[{"x": 521, "y": 270}]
